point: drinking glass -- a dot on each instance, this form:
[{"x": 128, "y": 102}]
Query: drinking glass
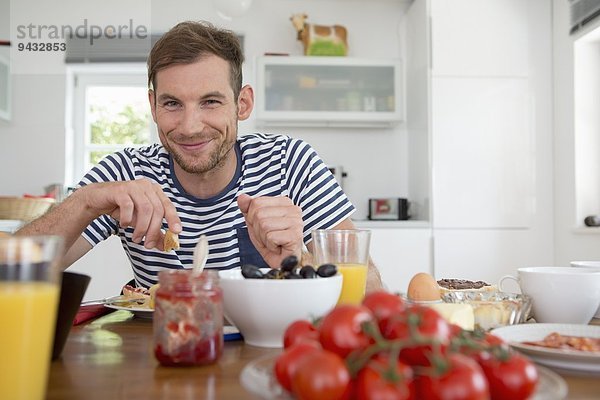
[
  {"x": 29, "y": 293},
  {"x": 349, "y": 251}
]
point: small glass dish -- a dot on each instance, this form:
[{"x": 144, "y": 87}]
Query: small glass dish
[{"x": 493, "y": 309}]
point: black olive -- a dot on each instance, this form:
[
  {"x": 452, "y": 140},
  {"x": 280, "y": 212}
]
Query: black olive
[
  {"x": 250, "y": 271},
  {"x": 274, "y": 274},
  {"x": 289, "y": 263},
  {"x": 327, "y": 270},
  {"x": 308, "y": 272},
  {"x": 292, "y": 275}
]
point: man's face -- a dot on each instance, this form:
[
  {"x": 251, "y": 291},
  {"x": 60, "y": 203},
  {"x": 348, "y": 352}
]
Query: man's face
[{"x": 196, "y": 114}]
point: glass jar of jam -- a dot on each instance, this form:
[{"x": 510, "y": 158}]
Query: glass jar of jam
[{"x": 188, "y": 318}]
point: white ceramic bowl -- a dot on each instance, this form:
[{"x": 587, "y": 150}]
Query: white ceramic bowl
[
  {"x": 263, "y": 308},
  {"x": 560, "y": 294},
  {"x": 588, "y": 264}
]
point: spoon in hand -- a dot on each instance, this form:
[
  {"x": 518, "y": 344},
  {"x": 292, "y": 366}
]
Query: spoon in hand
[{"x": 200, "y": 255}]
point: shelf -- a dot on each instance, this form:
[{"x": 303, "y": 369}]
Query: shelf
[{"x": 587, "y": 230}]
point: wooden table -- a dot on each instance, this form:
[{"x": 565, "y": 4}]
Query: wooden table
[{"x": 111, "y": 358}]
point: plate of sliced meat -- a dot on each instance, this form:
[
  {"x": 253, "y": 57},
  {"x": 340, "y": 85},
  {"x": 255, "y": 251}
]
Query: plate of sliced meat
[{"x": 567, "y": 348}]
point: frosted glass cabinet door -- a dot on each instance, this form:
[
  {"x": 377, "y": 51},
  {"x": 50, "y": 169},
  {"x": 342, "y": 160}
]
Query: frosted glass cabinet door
[
  {"x": 328, "y": 89},
  {"x": 483, "y": 158}
]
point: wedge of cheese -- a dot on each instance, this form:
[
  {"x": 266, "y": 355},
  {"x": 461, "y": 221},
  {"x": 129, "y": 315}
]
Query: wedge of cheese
[
  {"x": 458, "y": 314},
  {"x": 152, "y": 290}
]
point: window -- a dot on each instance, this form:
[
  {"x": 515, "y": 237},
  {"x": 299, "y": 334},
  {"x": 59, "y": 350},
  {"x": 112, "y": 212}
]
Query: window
[
  {"x": 110, "y": 111},
  {"x": 587, "y": 123}
]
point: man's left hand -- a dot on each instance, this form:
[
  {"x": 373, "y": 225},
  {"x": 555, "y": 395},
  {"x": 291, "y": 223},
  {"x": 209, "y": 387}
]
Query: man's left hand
[{"x": 275, "y": 226}]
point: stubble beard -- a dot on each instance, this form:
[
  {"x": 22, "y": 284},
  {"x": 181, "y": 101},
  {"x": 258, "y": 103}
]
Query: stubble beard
[{"x": 215, "y": 160}]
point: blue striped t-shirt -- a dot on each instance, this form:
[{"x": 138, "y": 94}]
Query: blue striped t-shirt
[{"x": 268, "y": 165}]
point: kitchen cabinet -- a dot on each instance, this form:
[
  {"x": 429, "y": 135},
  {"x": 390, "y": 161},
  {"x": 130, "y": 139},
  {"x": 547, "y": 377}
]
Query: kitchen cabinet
[
  {"x": 478, "y": 88},
  {"x": 480, "y": 38},
  {"x": 482, "y": 149},
  {"x": 481, "y": 126},
  {"x": 486, "y": 254},
  {"x": 400, "y": 253},
  {"x": 328, "y": 91}
]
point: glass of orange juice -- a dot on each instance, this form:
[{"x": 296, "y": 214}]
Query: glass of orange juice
[
  {"x": 29, "y": 293},
  {"x": 349, "y": 251}
]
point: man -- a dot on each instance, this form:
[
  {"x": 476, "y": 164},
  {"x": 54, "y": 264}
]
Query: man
[{"x": 257, "y": 197}]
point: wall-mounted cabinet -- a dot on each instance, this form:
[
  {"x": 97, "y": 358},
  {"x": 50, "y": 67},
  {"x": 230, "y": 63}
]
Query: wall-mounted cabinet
[{"x": 328, "y": 91}]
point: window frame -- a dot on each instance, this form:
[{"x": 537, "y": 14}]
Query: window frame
[{"x": 79, "y": 77}]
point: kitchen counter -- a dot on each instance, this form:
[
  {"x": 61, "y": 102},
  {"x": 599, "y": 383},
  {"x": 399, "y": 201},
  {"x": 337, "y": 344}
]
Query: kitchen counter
[{"x": 392, "y": 224}]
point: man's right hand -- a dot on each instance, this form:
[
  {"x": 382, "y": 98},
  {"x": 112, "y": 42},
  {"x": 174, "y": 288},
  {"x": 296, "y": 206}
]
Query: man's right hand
[{"x": 140, "y": 204}]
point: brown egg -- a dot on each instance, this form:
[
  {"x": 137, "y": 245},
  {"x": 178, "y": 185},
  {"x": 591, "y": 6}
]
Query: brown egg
[{"x": 423, "y": 287}]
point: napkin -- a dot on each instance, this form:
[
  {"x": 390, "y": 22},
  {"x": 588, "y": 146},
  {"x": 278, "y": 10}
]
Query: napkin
[{"x": 88, "y": 312}]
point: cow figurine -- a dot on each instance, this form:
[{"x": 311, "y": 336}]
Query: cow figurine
[{"x": 320, "y": 40}]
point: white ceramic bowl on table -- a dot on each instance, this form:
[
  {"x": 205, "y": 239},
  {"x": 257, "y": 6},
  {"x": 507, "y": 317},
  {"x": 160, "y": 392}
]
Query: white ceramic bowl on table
[
  {"x": 559, "y": 294},
  {"x": 263, "y": 308},
  {"x": 588, "y": 264}
]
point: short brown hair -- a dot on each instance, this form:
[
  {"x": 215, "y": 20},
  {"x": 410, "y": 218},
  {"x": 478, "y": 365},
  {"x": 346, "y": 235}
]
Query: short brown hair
[{"x": 188, "y": 41}]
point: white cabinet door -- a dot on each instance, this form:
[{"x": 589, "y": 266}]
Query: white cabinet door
[
  {"x": 480, "y": 37},
  {"x": 483, "y": 157},
  {"x": 487, "y": 254},
  {"x": 400, "y": 254}
]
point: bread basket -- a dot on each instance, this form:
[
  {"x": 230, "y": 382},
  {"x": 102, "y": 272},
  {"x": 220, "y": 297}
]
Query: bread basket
[{"x": 24, "y": 208}]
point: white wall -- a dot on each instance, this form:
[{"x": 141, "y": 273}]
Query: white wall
[{"x": 38, "y": 124}]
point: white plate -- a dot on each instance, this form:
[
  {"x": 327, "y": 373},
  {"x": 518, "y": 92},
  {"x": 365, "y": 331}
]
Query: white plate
[
  {"x": 230, "y": 333},
  {"x": 568, "y": 361},
  {"x": 257, "y": 377},
  {"x": 138, "y": 312}
]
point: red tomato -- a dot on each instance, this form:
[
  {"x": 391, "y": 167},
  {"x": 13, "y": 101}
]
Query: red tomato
[
  {"x": 455, "y": 331},
  {"x": 419, "y": 323},
  {"x": 511, "y": 376},
  {"x": 287, "y": 362},
  {"x": 473, "y": 343},
  {"x": 462, "y": 379},
  {"x": 298, "y": 331},
  {"x": 492, "y": 340},
  {"x": 384, "y": 305},
  {"x": 321, "y": 375},
  {"x": 382, "y": 380},
  {"x": 341, "y": 330}
]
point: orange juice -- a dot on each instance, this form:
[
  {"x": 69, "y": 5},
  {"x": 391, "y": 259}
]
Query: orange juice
[
  {"x": 354, "y": 283},
  {"x": 28, "y": 315}
]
